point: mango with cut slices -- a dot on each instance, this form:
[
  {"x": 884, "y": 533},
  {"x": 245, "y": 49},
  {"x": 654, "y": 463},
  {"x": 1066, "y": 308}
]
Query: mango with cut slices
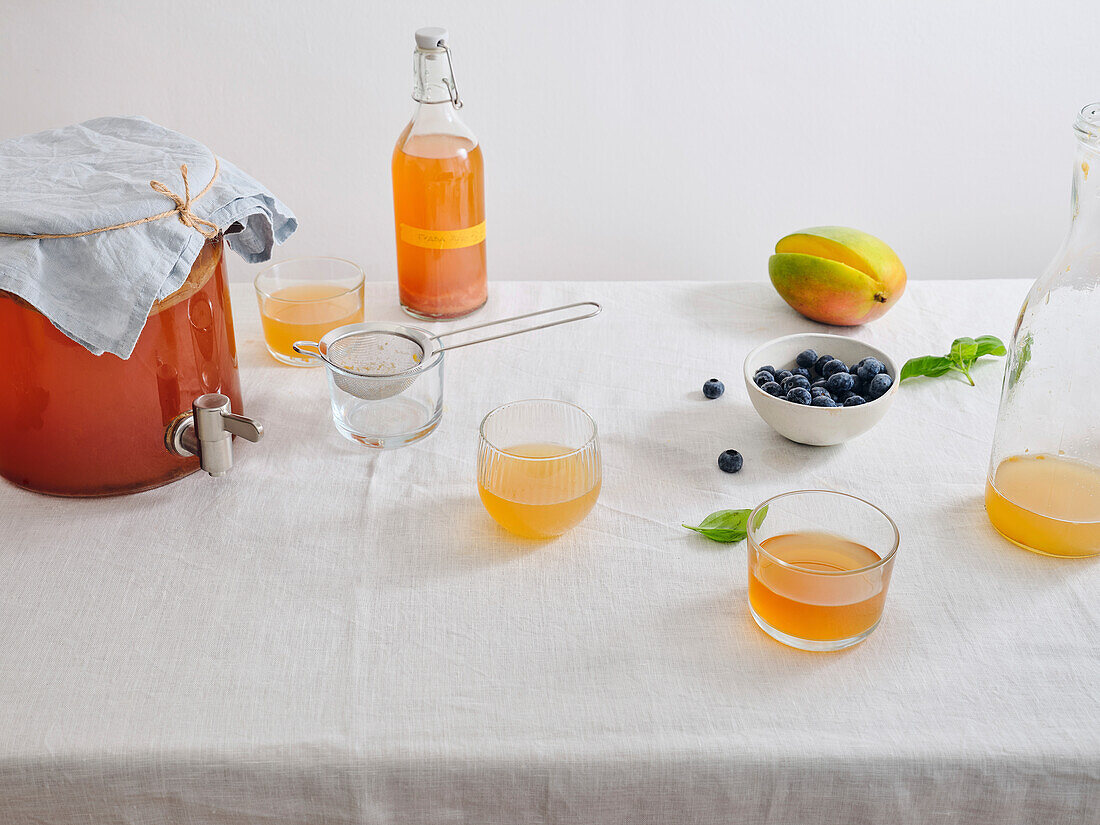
[{"x": 837, "y": 275}]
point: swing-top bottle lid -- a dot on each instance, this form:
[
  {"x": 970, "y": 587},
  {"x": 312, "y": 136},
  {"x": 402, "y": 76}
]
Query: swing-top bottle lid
[{"x": 431, "y": 37}]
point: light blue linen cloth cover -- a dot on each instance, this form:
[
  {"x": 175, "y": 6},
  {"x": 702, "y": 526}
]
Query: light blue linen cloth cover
[{"x": 99, "y": 289}]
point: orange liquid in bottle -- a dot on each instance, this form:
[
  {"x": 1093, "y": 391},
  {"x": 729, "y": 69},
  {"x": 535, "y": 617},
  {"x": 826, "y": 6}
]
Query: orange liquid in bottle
[
  {"x": 817, "y": 607},
  {"x": 539, "y": 499},
  {"x": 305, "y": 313},
  {"x": 439, "y": 212},
  {"x": 1046, "y": 503}
]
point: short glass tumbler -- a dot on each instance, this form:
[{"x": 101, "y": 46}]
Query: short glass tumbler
[
  {"x": 538, "y": 467},
  {"x": 819, "y": 567},
  {"x": 396, "y": 410},
  {"x": 303, "y": 298}
]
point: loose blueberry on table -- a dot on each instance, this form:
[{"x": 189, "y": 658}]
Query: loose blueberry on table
[
  {"x": 713, "y": 388},
  {"x": 730, "y": 461}
]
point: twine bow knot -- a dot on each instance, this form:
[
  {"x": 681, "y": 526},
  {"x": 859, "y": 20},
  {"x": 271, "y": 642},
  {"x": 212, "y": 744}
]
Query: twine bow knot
[
  {"x": 183, "y": 205},
  {"x": 182, "y": 210}
]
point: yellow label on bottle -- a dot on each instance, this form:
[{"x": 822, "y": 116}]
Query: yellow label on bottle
[{"x": 443, "y": 238}]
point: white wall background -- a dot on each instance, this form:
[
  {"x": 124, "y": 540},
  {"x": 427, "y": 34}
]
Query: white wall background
[{"x": 623, "y": 140}]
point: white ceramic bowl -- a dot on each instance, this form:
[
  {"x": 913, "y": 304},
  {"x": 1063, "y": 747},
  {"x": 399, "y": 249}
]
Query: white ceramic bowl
[{"x": 818, "y": 426}]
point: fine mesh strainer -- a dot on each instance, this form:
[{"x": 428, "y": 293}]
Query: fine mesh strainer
[{"x": 374, "y": 361}]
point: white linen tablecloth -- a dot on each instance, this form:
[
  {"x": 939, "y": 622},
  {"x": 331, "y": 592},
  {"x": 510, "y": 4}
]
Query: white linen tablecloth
[{"x": 334, "y": 635}]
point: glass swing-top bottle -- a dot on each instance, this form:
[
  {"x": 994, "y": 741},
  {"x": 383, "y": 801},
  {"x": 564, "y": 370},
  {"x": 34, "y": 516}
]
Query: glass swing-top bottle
[
  {"x": 1043, "y": 487},
  {"x": 438, "y": 194}
]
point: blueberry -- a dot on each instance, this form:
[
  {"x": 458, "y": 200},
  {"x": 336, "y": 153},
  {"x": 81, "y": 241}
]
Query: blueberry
[
  {"x": 713, "y": 388},
  {"x": 763, "y": 377},
  {"x": 879, "y": 385},
  {"x": 870, "y": 368},
  {"x": 807, "y": 358},
  {"x": 841, "y": 397},
  {"x": 730, "y": 461},
  {"x": 772, "y": 388},
  {"x": 820, "y": 382},
  {"x": 840, "y": 382},
  {"x": 832, "y": 367},
  {"x": 796, "y": 381},
  {"x": 805, "y": 373},
  {"x": 819, "y": 365},
  {"x": 783, "y": 375},
  {"x": 822, "y": 401},
  {"x": 767, "y": 368},
  {"x": 854, "y": 400},
  {"x": 799, "y": 395},
  {"x": 820, "y": 392}
]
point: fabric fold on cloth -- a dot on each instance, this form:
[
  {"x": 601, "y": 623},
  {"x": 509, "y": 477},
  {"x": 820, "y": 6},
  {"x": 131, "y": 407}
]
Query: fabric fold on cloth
[{"x": 98, "y": 289}]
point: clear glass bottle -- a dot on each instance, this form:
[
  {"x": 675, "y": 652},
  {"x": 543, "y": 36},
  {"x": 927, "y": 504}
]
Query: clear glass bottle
[
  {"x": 1043, "y": 487},
  {"x": 438, "y": 194}
]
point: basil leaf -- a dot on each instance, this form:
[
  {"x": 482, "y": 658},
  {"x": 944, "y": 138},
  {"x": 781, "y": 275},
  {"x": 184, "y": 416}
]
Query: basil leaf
[
  {"x": 927, "y": 365},
  {"x": 756, "y": 522},
  {"x": 726, "y": 526},
  {"x": 990, "y": 345},
  {"x": 964, "y": 352}
]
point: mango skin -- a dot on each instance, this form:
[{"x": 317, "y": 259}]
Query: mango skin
[{"x": 837, "y": 275}]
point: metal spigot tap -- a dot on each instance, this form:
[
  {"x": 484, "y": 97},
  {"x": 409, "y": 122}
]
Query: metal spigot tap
[{"x": 207, "y": 432}]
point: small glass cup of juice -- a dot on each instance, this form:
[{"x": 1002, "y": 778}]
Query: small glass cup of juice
[
  {"x": 819, "y": 568},
  {"x": 301, "y": 299},
  {"x": 538, "y": 467}
]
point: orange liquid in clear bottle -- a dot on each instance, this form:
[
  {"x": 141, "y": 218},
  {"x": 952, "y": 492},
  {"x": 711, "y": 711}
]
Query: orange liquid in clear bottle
[
  {"x": 816, "y": 607},
  {"x": 539, "y": 499},
  {"x": 439, "y": 212},
  {"x": 1046, "y": 503}
]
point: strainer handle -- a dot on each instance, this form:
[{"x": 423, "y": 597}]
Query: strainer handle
[
  {"x": 597, "y": 309},
  {"x": 300, "y": 348}
]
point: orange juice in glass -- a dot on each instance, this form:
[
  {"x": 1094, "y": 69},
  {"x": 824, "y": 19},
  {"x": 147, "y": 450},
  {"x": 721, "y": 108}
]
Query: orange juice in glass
[
  {"x": 303, "y": 298},
  {"x": 819, "y": 568},
  {"x": 538, "y": 467}
]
